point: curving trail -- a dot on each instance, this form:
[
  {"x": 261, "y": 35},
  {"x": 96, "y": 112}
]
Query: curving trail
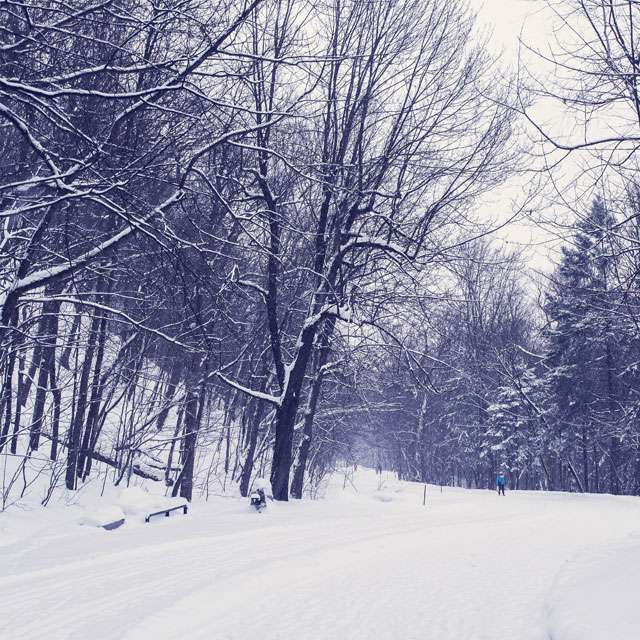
[{"x": 470, "y": 566}]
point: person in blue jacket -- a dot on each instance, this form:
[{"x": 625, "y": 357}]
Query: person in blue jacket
[{"x": 501, "y": 481}]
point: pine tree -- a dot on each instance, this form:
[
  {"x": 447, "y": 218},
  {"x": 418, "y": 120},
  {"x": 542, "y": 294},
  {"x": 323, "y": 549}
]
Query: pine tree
[{"x": 584, "y": 340}]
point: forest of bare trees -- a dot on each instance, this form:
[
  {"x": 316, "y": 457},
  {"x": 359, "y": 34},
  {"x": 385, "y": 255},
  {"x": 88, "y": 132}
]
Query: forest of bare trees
[{"x": 243, "y": 239}]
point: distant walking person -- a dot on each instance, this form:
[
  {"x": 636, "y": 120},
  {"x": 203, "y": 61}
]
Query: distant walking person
[{"x": 500, "y": 482}]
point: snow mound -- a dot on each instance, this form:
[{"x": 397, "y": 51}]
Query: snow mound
[
  {"x": 385, "y": 496},
  {"x": 136, "y": 501},
  {"x": 391, "y": 492},
  {"x": 597, "y": 597},
  {"x": 100, "y": 515}
]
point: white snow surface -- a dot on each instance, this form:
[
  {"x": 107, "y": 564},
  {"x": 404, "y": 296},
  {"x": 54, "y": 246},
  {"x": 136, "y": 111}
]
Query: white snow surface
[
  {"x": 101, "y": 515},
  {"x": 468, "y": 566},
  {"x": 597, "y": 595}
]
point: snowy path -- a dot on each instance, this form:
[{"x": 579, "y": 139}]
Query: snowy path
[{"x": 471, "y": 566}]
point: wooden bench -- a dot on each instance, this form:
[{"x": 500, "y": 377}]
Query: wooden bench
[{"x": 167, "y": 511}]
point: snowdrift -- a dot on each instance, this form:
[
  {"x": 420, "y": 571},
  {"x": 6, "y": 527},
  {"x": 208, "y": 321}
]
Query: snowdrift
[{"x": 597, "y": 596}]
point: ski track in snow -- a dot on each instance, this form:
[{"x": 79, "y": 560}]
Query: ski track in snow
[{"x": 470, "y": 566}]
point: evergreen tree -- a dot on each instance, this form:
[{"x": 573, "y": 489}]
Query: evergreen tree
[{"x": 585, "y": 342}]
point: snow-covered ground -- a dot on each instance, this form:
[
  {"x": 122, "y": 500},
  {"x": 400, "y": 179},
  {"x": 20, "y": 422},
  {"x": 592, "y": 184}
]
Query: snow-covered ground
[{"x": 372, "y": 565}]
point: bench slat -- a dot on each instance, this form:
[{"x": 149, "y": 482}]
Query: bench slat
[{"x": 167, "y": 511}]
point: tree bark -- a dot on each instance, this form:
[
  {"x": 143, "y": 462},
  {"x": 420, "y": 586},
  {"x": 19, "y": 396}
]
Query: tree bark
[
  {"x": 194, "y": 407},
  {"x": 48, "y": 336},
  {"x": 247, "y": 468},
  {"x": 7, "y": 396},
  {"x": 75, "y": 429},
  {"x": 322, "y": 356},
  {"x": 16, "y": 420},
  {"x": 174, "y": 379},
  {"x": 88, "y": 440},
  {"x": 585, "y": 458},
  {"x": 57, "y": 402},
  {"x": 286, "y": 417}
]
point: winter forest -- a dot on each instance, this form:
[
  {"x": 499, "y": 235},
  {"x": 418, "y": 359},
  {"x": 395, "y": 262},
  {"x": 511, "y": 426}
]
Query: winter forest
[
  {"x": 244, "y": 238},
  {"x": 326, "y": 250}
]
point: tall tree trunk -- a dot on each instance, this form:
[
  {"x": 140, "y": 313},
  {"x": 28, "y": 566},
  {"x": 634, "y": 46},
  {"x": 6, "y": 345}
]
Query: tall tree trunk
[
  {"x": 254, "y": 429},
  {"x": 16, "y": 419},
  {"x": 174, "y": 379},
  {"x": 172, "y": 446},
  {"x": 297, "y": 484},
  {"x": 57, "y": 403},
  {"x": 194, "y": 407},
  {"x": 585, "y": 458},
  {"x": 421, "y": 461},
  {"x": 47, "y": 337},
  {"x": 614, "y": 481},
  {"x": 636, "y": 474},
  {"x": 75, "y": 429},
  {"x": 71, "y": 340},
  {"x": 88, "y": 441},
  {"x": 31, "y": 374},
  {"x": 7, "y": 397},
  {"x": 322, "y": 356},
  {"x": 286, "y": 417}
]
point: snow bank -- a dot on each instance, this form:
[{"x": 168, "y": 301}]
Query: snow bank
[
  {"x": 101, "y": 515},
  {"x": 391, "y": 492},
  {"x": 597, "y": 596},
  {"x": 384, "y": 496},
  {"x": 131, "y": 504},
  {"x": 135, "y": 501}
]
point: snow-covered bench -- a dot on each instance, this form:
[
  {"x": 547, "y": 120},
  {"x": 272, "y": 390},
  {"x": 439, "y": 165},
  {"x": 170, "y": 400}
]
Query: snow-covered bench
[
  {"x": 108, "y": 517},
  {"x": 166, "y": 512}
]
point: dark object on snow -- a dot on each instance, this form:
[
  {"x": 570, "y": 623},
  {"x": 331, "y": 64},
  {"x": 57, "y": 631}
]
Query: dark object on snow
[
  {"x": 167, "y": 511},
  {"x": 500, "y": 483},
  {"x": 259, "y": 500},
  {"x": 113, "y": 525}
]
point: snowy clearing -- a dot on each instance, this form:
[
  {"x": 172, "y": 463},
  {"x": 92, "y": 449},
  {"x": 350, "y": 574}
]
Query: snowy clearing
[{"x": 469, "y": 566}]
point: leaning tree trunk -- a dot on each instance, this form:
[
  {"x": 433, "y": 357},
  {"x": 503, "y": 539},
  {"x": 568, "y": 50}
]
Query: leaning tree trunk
[
  {"x": 286, "y": 417},
  {"x": 322, "y": 355}
]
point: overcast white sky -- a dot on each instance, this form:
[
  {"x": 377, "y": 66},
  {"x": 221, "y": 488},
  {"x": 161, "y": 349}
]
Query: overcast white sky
[
  {"x": 508, "y": 17},
  {"x": 509, "y": 20}
]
